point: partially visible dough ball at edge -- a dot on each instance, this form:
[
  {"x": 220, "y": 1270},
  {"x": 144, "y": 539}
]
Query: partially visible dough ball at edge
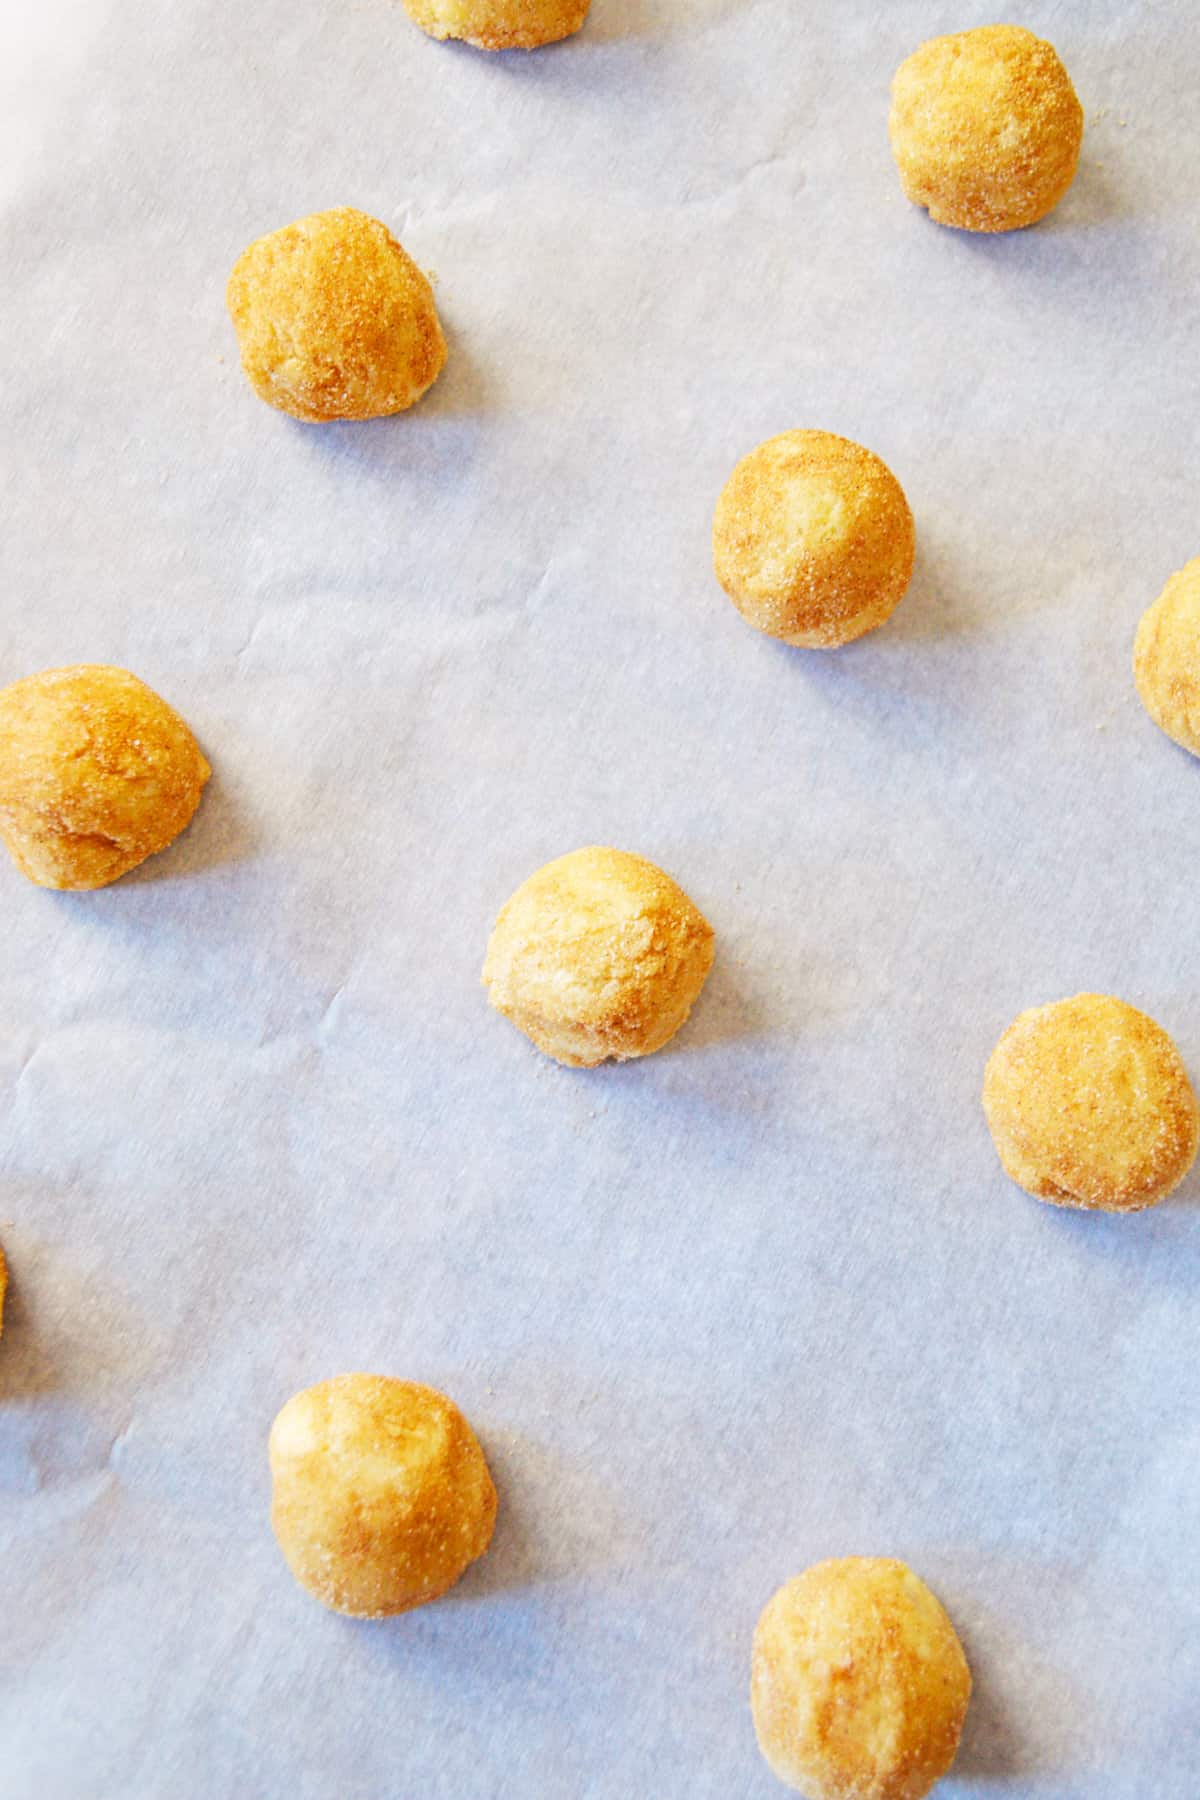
[
  {"x": 1166, "y": 658},
  {"x": 859, "y": 1684},
  {"x": 500, "y": 24},
  {"x": 1090, "y": 1106}
]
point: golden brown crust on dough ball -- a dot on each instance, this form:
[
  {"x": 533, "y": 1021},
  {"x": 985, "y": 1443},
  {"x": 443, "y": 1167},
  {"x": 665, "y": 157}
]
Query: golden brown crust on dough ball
[
  {"x": 813, "y": 539},
  {"x": 334, "y": 319},
  {"x": 859, "y": 1686},
  {"x": 598, "y": 955},
  {"x": 1166, "y": 658},
  {"x": 96, "y": 774},
  {"x": 381, "y": 1495},
  {"x": 1089, "y": 1105},
  {"x": 500, "y": 24},
  {"x": 985, "y": 128}
]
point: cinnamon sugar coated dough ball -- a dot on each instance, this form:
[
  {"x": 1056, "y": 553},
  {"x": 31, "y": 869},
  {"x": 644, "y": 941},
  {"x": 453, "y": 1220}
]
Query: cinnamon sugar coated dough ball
[
  {"x": 985, "y": 128},
  {"x": 859, "y": 1685},
  {"x": 1166, "y": 658},
  {"x": 1089, "y": 1105},
  {"x": 334, "y": 319},
  {"x": 500, "y": 24},
  {"x": 96, "y": 774},
  {"x": 598, "y": 955},
  {"x": 381, "y": 1494},
  {"x": 813, "y": 539}
]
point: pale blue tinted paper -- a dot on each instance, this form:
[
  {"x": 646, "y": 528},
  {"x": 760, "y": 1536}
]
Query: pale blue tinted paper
[{"x": 766, "y": 1297}]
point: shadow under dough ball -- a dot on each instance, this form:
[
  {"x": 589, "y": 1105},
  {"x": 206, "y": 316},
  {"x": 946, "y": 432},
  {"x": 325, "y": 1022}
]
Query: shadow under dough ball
[
  {"x": 859, "y": 1685},
  {"x": 334, "y": 319},
  {"x": 598, "y": 955},
  {"x": 986, "y": 128},
  {"x": 96, "y": 774},
  {"x": 813, "y": 539},
  {"x": 1089, "y": 1105},
  {"x": 1166, "y": 658},
  {"x": 381, "y": 1496},
  {"x": 500, "y": 24}
]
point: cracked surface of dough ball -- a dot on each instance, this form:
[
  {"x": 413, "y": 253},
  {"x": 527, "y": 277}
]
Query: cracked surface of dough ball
[
  {"x": 813, "y": 539},
  {"x": 96, "y": 774},
  {"x": 381, "y": 1496},
  {"x": 859, "y": 1686},
  {"x": 598, "y": 955},
  {"x": 334, "y": 319},
  {"x": 1089, "y": 1105},
  {"x": 500, "y": 24},
  {"x": 1166, "y": 658},
  {"x": 986, "y": 128}
]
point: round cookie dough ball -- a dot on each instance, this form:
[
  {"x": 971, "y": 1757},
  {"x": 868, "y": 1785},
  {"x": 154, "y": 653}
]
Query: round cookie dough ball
[
  {"x": 381, "y": 1494},
  {"x": 859, "y": 1685},
  {"x": 813, "y": 539},
  {"x": 1089, "y": 1105},
  {"x": 985, "y": 128},
  {"x": 334, "y": 319},
  {"x": 96, "y": 774},
  {"x": 500, "y": 24},
  {"x": 598, "y": 955},
  {"x": 1166, "y": 658}
]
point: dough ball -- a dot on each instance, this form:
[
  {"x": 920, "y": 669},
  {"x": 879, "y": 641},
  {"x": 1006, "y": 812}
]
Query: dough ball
[
  {"x": 813, "y": 539},
  {"x": 96, "y": 774},
  {"x": 3, "y": 1288},
  {"x": 335, "y": 320},
  {"x": 381, "y": 1494},
  {"x": 500, "y": 24},
  {"x": 1166, "y": 658},
  {"x": 859, "y": 1686},
  {"x": 599, "y": 954},
  {"x": 1089, "y": 1105},
  {"x": 985, "y": 128}
]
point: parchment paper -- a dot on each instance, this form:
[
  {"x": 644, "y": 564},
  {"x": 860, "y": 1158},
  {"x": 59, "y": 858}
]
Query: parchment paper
[{"x": 765, "y": 1297}]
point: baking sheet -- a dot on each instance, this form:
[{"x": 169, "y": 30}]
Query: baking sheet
[{"x": 767, "y": 1296}]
